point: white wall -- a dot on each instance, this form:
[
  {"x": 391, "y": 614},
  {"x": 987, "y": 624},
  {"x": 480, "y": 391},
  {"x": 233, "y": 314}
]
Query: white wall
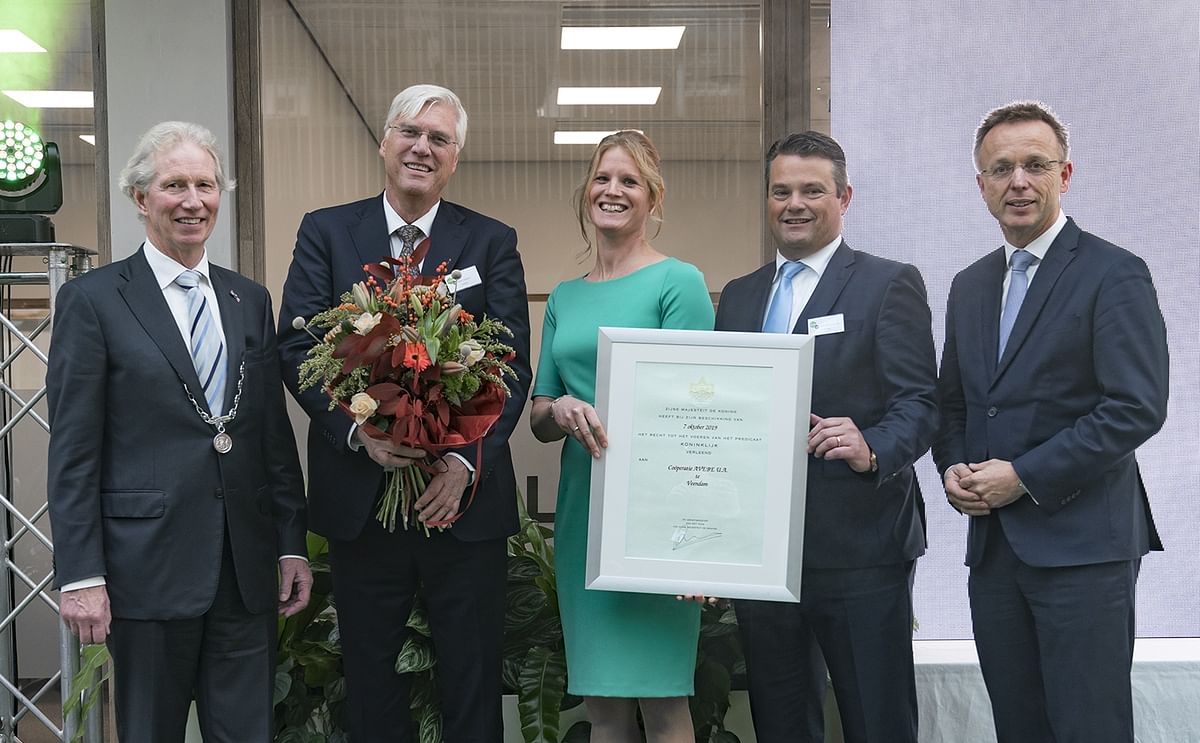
[{"x": 911, "y": 82}]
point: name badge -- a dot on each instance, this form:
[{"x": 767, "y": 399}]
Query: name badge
[
  {"x": 469, "y": 277},
  {"x": 826, "y": 325}
]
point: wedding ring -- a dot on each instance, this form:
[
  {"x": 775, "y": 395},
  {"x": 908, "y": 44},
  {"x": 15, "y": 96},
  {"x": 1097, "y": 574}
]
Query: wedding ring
[
  {"x": 839, "y": 440},
  {"x": 576, "y": 428}
]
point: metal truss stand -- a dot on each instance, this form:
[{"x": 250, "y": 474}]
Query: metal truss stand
[{"x": 63, "y": 262}]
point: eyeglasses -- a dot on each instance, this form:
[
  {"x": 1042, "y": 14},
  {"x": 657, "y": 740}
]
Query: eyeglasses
[
  {"x": 412, "y": 134},
  {"x": 1033, "y": 168}
]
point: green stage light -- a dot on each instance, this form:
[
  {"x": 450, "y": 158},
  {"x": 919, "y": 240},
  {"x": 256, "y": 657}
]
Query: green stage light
[
  {"x": 22, "y": 153},
  {"x": 30, "y": 184}
]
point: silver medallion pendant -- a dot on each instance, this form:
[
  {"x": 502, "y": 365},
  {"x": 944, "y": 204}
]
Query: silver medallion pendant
[{"x": 223, "y": 443}]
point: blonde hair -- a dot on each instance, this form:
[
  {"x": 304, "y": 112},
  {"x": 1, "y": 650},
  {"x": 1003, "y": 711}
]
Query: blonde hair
[{"x": 649, "y": 164}]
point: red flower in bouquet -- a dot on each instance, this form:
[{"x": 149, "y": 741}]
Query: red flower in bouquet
[{"x": 403, "y": 359}]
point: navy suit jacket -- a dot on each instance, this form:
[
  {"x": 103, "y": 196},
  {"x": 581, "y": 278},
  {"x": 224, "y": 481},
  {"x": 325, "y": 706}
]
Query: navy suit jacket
[
  {"x": 331, "y": 247},
  {"x": 881, "y": 373},
  {"x": 1082, "y": 383},
  {"x": 136, "y": 491}
]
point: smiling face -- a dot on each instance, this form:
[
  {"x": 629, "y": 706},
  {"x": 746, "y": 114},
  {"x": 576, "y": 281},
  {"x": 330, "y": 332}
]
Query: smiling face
[
  {"x": 1025, "y": 205},
  {"x": 804, "y": 210},
  {"x": 181, "y": 204},
  {"x": 618, "y": 196},
  {"x": 417, "y": 170}
]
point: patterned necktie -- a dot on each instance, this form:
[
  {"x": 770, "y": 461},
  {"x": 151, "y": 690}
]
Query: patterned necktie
[
  {"x": 1016, "y": 294},
  {"x": 409, "y": 235},
  {"x": 780, "y": 313},
  {"x": 208, "y": 352}
]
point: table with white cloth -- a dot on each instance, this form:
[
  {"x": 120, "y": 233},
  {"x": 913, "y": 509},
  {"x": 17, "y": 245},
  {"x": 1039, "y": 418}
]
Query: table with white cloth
[{"x": 954, "y": 708}]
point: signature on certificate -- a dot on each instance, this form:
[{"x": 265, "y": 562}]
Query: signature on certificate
[{"x": 681, "y": 538}]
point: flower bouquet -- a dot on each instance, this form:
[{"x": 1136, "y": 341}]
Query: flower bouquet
[{"x": 412, "y": 367}]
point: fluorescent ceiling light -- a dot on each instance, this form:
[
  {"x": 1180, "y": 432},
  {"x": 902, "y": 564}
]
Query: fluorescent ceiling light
[
  {"x": 12, "y": 40},
  {"x": 89, "y": 138},
  {"x": 51, "y": 98},
  {"x": 561, "y": 137},
  {"x": 608, "y": 96},
  {"x": 622, "y": 37}
]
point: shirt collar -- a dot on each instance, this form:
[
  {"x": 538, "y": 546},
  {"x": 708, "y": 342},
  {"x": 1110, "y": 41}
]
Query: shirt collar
[
  {"x": 395, "y": 221},
  {"x": 816, "y": 262},
  {"x": 1040, "y": 244},
  {"x": 166, "y": 269}
]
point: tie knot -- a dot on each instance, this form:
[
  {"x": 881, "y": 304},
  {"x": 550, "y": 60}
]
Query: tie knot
[
  {"x": 789, "y": 269},
  {"x": 1021, "y": 260},
  {"x": 409, "y": 234},
  {"x": 188, "y": 279}
]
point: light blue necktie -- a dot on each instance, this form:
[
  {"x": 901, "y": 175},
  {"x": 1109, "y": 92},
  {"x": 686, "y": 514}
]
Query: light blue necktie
[
  {"x": 1016, "y": 294},
  {"x": 208, "y": 352},
  {"x": 780, "y": 314}
]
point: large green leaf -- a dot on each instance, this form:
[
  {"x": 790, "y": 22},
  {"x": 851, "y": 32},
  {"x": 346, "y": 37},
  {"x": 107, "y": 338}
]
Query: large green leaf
[
  {"x": 431, "y": 728},
  {"x": 416, "y": 655},
  {"x": 542, "y": 682},
  {"x": 525, "y": 602},
  {"x": 522, "y": 568},
  {"x": 283, "y": 684}
]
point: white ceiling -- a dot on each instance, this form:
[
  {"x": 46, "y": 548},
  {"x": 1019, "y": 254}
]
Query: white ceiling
[
  {"x": 504, "y": 61},
  {"x": 502, "y": 57}
]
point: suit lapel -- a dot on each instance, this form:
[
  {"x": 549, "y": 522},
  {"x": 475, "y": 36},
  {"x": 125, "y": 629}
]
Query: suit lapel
[
  {"x": 448, "y": 240},
  {"x": 987, "y": 305},
  {"x": 233, "y": 323},
  {"x": 1059, "y": 255},
  {"x": 370, "y": 234},
  {"x": 145, "y": 300},
  {"x": 747, "y": 316},
  {"x": 829, "y": 288}
]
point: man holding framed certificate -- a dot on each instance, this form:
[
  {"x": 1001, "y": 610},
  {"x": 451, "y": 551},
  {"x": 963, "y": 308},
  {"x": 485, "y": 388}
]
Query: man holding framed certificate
[{"x": 874, "y": 413}]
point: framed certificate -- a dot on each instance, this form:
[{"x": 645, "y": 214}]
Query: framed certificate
[{"x": 702, "y": 487}]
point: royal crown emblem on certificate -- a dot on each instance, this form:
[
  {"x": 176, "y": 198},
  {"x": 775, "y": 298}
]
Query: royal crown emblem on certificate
[{"x": 701, "y": 390}]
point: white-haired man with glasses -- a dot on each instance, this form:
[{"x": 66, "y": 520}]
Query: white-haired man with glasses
[
  {"x": 1053, "y": 373},
  {"x": 461, "y": 572}
]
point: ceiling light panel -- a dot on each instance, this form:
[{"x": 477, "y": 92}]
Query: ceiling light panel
[
  {"x": 51, "y": 98},
  {"x": 622, "y": 37},
  {"x": 13, "y": 41},
  {"x": 598, "y": 96},
  {"x": 593, "y": 137}
]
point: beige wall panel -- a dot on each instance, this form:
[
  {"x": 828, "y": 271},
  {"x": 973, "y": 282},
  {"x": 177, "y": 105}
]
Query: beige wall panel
[{"x": 317, "y": 152}]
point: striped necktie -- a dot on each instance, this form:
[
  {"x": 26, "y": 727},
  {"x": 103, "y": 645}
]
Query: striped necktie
[{"x": 208, "y": 352}]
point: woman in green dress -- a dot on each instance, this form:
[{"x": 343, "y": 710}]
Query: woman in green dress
[{"x": 623, "y": 649}]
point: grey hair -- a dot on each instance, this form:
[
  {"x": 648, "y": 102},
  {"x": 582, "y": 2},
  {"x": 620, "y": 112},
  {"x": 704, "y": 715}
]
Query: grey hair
[
  {"x": 409, "y": 103},
  {"x": 1018, "y": 111},
  {"x": 140, "y": 171}
]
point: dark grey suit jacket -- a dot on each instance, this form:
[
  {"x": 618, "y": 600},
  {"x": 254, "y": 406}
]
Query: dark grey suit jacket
[
  {"x": 136, "y": 491},
  {"x": 1082, "y": 384},
  {"x": 881, "y": 373}
]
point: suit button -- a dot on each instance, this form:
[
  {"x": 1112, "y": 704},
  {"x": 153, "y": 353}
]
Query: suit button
[
  {"x": 992, "y": 412},
  {"x": 218, "y": 493}
]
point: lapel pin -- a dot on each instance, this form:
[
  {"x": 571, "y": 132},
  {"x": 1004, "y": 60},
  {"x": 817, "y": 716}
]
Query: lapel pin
[{"x": 233, "y": 294}]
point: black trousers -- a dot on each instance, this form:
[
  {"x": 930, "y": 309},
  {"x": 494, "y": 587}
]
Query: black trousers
[
  {"x": 375, "y": 578},
  {"x": 855, "y": 622},
  {"x": 1055, "y": 646},
  {"x": 224, "y": 659}
]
